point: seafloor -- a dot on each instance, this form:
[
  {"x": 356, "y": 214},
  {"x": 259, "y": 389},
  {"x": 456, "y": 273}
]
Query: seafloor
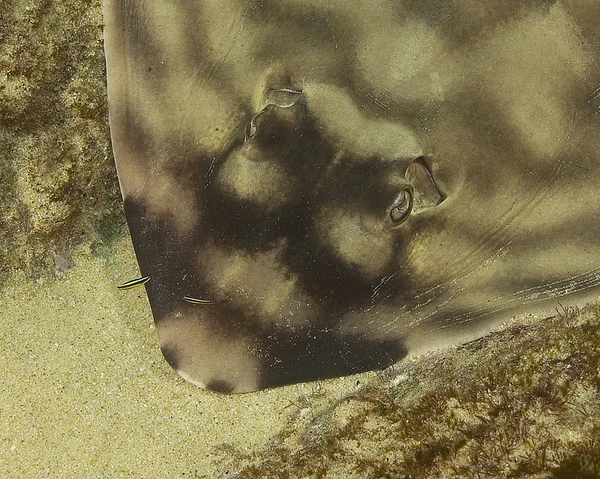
[{"x": 85, "y": 392}]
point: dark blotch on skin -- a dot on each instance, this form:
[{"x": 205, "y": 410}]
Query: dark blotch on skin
[
  {"x": 220, "y": 386},
  {"x": 171, "y": 356},
  {"x": 300, "y": 189},
  {"x": 295, "y": 359}
]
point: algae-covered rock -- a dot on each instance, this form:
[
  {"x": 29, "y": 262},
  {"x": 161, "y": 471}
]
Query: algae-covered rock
[
  {"x": 523, "y": 402},
  {"x": 58, "y": 181}
]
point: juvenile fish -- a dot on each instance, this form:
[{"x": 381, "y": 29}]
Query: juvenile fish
[
  {"x": 134, "y": 282},
  {"x": 189, "y": 299}
]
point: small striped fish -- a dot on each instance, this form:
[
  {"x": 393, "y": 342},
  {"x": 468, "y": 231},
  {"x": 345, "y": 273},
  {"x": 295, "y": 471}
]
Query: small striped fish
[
  {"x": 134, "y": 282},
  {"x": 189, "y": 299}
]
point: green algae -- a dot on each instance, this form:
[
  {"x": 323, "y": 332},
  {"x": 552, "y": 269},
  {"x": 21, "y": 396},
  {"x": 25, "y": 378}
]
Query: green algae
[
  {"x": 56, "y": 170},
  {"x": 523, "y": 402}
]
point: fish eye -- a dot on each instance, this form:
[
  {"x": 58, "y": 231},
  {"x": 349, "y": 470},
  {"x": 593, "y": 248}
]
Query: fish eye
[{"x": 401, "y": 207}]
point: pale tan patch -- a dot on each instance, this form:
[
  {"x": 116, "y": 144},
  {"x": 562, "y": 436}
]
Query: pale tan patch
[
  {"x": 260, "y": 284},
  {"x": 227, "y": 42},
  {"x": 402, "y": 63},
  {"x": 140, "y": 182},
  {"x": 536, "y": 61},
  {"x": 205, "y": 355},
  {"x": 184, "y": 103},
  {"x": 168, "y": 97},
  {"x": 351, "y": 242},
  {"x": 262, "y": 182},
  {"x": 235, "y": 43},
  {"x": 342, "y": 121}
]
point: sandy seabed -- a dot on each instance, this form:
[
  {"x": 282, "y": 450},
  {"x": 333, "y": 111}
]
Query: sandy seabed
[{"x": 86, "y": 392}]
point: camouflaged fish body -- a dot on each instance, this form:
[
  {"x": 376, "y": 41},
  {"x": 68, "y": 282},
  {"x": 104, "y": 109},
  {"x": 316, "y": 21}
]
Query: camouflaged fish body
[{"x": 320, "y": 188}]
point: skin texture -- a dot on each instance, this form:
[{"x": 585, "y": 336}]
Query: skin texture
[{"x": 351, "y": 182}]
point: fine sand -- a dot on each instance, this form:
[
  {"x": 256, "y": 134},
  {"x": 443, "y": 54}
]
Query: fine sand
[{"x": 86, "y": 392}]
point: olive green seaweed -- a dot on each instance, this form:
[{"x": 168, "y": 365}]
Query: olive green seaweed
[
  {"x": 523, "y": 402},
  {"x": 58, "y": 179},
  {"x": 97, "y": 400}
]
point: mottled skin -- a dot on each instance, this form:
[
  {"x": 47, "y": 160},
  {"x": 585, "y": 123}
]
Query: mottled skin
[{"x": 349, "y": 182}]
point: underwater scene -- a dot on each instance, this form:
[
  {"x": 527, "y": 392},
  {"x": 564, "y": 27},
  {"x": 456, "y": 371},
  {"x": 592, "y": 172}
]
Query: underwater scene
[{"x": 299, "y": 239}]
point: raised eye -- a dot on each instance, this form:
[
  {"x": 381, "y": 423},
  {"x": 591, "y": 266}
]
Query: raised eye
[{"x": 401, "y": 207}]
